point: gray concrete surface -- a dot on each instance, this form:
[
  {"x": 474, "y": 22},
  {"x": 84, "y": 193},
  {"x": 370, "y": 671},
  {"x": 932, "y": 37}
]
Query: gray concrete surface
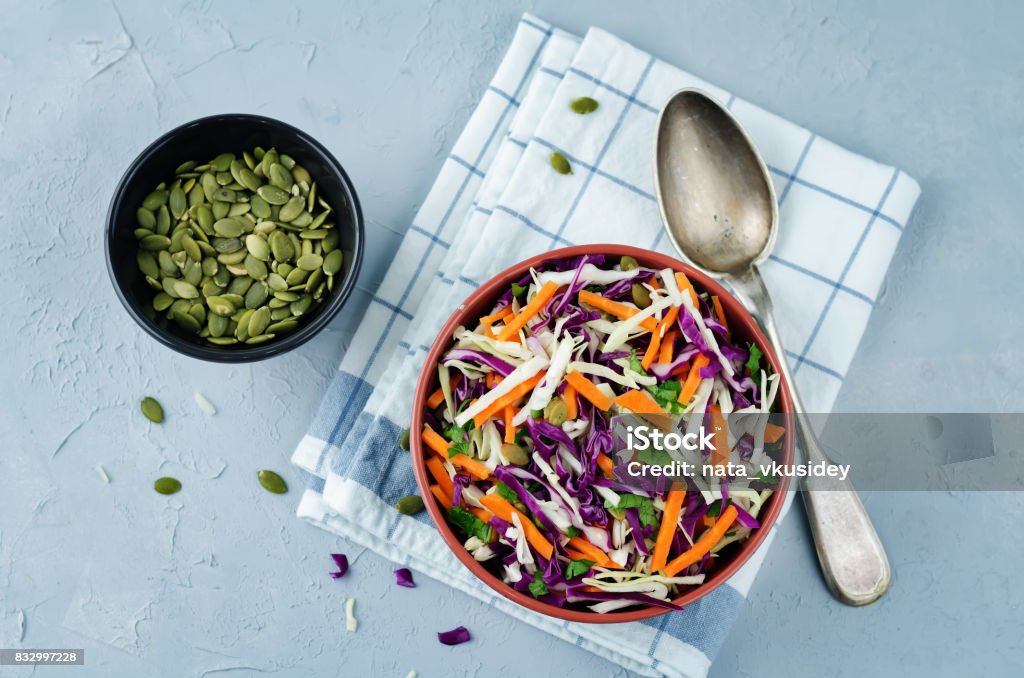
[{"x": 222, "y": 579}]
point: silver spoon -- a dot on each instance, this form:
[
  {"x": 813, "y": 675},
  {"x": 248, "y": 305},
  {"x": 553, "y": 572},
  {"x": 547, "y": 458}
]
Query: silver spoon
[{"x": 719, "y": 209}]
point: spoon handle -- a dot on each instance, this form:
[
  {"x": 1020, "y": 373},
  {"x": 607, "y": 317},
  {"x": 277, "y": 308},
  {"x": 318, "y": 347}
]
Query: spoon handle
[{"x": 852, "y": 558}]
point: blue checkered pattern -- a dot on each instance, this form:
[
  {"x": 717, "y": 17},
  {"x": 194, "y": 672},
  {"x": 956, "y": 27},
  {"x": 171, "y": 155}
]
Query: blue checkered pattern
[{"x": 497, "y": 201}]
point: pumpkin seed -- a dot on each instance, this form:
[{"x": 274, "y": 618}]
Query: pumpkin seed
[
  {"x": 147, "y": 264},
  {"x": 155, "y": 242},
  {"x": 560, "y": 164},
  {"x": 641, "y": 296},
  {"x": 307, "y": 262},
  {"x": 167, "y": 485},
  {"x": 146, "y": 218},
  {"x": 155, "y": 200},
  {"x": 291, "y": 209},
  {"x": 556, "y": 411},
  {"x": 403, "y": 440},
  {"x": 272, "y": 482},
  {"x": 258, "y": 321},
  {"x": 410, "y": 505},
  {"x": 261, "y": 339},
  {"x": 178, "y": 202},
  {"x": 282, "y": 325},
  {"x": 583, "y": 105},
  {"x": 273, "y": 195},
  {"x": 152, "y": 410},
  {"x": 333, "y": 262},
  {"x": 628, "y": 263},
  {"x": 515, "y": 454}
]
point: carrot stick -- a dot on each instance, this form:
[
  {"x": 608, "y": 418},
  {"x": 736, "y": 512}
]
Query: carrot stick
[
  {"x": 442, "y": 498},
  {"x": 509, "y": 398},
  {"x": 517, "y": 323},
  {"x": 575, "y": 555},
  {"x": 436, "y": 442},
  {"x": 436, "y": 398},
  {"x": 571, "y": 406},
  {"x": 604, "y": 462},
  {"x": 685, "y": 285},
  {"x": 480, "y": 513},
  {"x": 693, "y": 379},
  {"x": 496, "y": 316},
  {"x": 586, "y": 388},
  {"x": 667, "y": 529},
  {"x": 773, "y": 433},
  {"x": 505, "y": 511},
  {"x": 719, "y": 311},
  {"x": 667, "y": 347},
  {"x": 651, "y": 352},
  {"x": 510, "y": 430},
  {"x": 703, "y": 545},
  {"x": 489, "y": 380},
  {"x": 616, "y": 309},
  {"x": 681, "y": 372},
  {"x": 593, "y": 553},
  {"x": 472, "y": 466},
  {"x": 440, "y": 446},
  {"x": 639, "y": 401},
  {"x": 444, "y": 481}
]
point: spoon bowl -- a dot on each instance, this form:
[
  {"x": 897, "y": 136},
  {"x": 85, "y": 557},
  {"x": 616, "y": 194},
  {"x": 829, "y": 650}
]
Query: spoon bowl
[{"x": 707, "y": 154}]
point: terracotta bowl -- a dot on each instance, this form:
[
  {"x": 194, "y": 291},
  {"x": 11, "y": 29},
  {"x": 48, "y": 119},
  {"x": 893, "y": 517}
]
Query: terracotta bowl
[{"x": 742, "y": 325}]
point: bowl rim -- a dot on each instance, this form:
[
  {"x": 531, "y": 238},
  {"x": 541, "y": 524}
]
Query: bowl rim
[
  {"x": 307, "y": 331},
  {"x": 487, "y": 293}
]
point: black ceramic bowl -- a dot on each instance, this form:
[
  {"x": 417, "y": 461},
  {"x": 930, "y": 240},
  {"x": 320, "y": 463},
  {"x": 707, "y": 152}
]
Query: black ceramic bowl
[{"x": 201, "y": 140}]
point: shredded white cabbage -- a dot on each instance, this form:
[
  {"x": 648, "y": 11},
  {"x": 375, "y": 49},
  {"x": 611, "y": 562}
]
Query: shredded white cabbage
[
  {"x": 621, "y": 334},
  {"x": 544, "y": 391},
  {"x": 351, "y": 624},
  {"x": 602, "y": 371},
  {"x": 528, "y": 369},
  {"x": 589, "y": 274}
]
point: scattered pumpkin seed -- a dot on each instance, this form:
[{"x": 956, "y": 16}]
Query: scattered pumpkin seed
[
  {"x": 403, "y": 441},
  {"x": 410, "y": 505},
  {"x": 641, "y": 297},
  {"x": 272, "y": 482},
  {"x": 583, "y": 105},
  {"x": 628, "y": 263},
  {"x": 167, "y": 485},
  {"x": 560, "y": 164},
  {"x": 152, "y": 410}
]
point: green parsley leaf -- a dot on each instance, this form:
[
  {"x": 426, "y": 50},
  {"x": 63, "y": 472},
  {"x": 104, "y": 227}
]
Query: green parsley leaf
[
  {"x": 666, "y": 394},
  {"x": 505, "y": 492},
  {"x": 714, "y": 509},
  {"x": 461, "y": 447},
  {"x": 643, "y": 505},
  {"x": 469, "y": 525},
  {"x": 536, "y": 414},
  {"x": 577, "y": 568},
  {"x": 537, "y": 587},
  {"x": 754, "y": 361},
  {"x": 573, "y": 532},
  {"x": 518, "y": 290},
  {"x": 635, "y": 364}
]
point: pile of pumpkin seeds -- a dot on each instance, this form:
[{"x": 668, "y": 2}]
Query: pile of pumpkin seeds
[{"x": 238, "y": 249}]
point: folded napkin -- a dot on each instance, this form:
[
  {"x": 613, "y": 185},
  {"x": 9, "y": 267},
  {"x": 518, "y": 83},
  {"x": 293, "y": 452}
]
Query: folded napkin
[{"x": 497, "y": 201}]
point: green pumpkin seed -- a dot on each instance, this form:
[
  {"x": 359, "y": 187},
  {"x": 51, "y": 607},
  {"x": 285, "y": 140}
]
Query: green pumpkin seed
[
  {"x": 167, "y": 485},
  {"x": 177, "y": 202},
  {"x": 152, "y": 410},
  {"x": 332, "y": 262},
  {"x": 258, "y": 321},
  {"x": 155, "y": 200},
  {"x": 403, "y": 440},
  {"x": 583, "y": 105},
  {"x": 256, "y": 295},
  {"x": 217, "y": 324},
  {"x": 187, "y": 322},
  {"x": 280, "y": 326},
  {"x": 228, "y": 227},
  {"x": 641, "y": 296},
  {"x": 155, "y": 242},
  {"x": 257, "y": 246},
  {"x": 560, "y": 164},
  {"x": 291, "y": 209},
  {"x": 515, "y": 454},
  {"x": 628, "y": 263},
  {"x": 273, "y": 195},
  {"x": 301, "y": 306},
  {"x": 162, "y": 301},
  {"x": 410, "y": 505},
  {"x": 186, "y": 166},
  {"x": 222, "y": 162},
  {"x": 222, "y": 341},
  {"x": 256, "y": 269},
  {"x": 272, "y": 482},
  {"x": 221, "y": 306},
  {"x": 261, "y": 339},
  {"x": 146, "y": 218},
  {"x": 307, "y": 262},
  {"x": 280, "y": 177},
  {"x": 556, "y": 411},
  {"x": 147, "y": 264}
]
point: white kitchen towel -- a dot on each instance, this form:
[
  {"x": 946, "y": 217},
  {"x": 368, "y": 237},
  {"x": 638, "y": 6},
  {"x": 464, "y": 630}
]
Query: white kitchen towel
[{"x": 497, "y": 201}]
